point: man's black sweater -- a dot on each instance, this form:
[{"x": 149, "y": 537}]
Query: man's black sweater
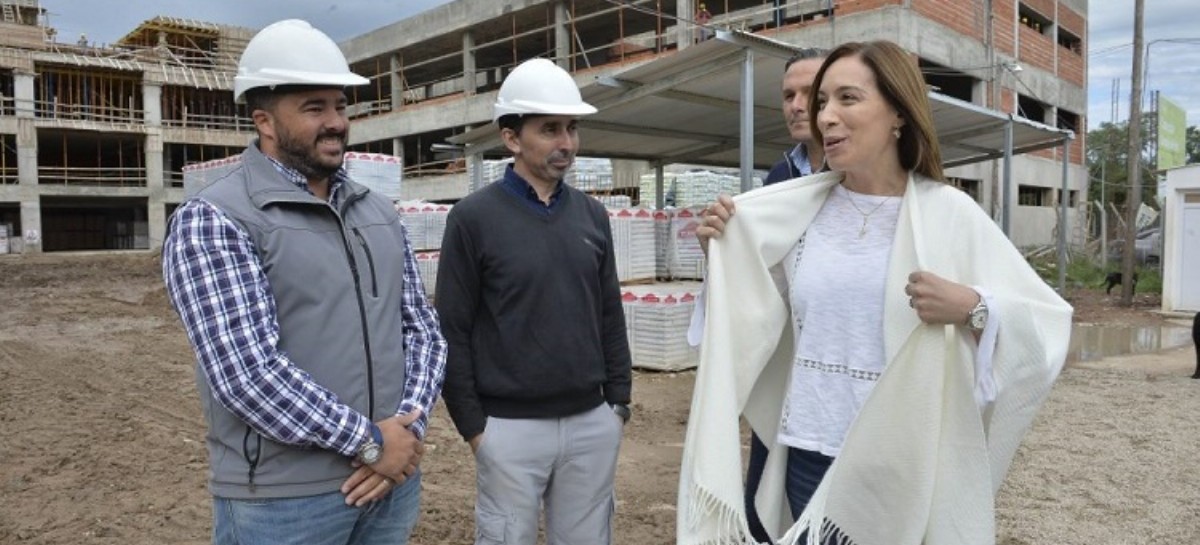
[{"x": 530, "y": 306}]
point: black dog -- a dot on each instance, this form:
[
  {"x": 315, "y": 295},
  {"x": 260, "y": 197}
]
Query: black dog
[
  {"x": 1196, "y": 341},
  {"x": 1114, "y": 279}
]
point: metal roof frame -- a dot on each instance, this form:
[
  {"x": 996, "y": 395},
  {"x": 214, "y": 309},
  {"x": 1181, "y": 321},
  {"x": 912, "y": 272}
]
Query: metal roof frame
[
  {"x": 707, "y": 103},
  {"x": 718, "y": 103}
]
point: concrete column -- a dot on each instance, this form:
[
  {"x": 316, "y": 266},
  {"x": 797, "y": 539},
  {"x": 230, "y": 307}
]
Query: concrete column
[
  {"x": 27, "y": 175},
  {"x": 562, "y": 35},
  {"x": 23, "y": 91},
  {"x": 156, "y": 199},
  {"x": 152, "y": 102},
  {"x": 27, "y": 154},
  {"x": 468, "y": 61},
  {"x": 398, "y": 151},
  {"x": 397, "y": 84},
  {"x": 155, "y": 163},
  {"x": 475, "y": 160},
  {"x": 31, "y": 224},
  {"x": 685, "y": 32}
]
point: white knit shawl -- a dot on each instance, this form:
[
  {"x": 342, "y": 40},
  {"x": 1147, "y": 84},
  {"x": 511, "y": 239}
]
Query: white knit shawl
[{"x": 920, "y": 464}]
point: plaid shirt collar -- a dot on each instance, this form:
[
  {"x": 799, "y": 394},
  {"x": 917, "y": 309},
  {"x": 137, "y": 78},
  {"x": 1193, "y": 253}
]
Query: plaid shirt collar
[{"x": 294, "y": 176}]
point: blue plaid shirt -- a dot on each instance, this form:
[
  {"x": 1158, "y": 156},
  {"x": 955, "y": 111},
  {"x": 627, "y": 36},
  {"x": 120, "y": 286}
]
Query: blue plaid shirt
[{"x": 204, "y": 254}]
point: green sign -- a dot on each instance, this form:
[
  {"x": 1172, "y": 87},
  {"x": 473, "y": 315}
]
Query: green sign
[{"x": 1172, "y": 134}]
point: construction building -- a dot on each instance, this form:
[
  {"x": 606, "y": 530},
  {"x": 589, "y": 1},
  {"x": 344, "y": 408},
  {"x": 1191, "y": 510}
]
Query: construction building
[
  {"x": 95, "y": 138},
  {"x": 435, "y": 75}
]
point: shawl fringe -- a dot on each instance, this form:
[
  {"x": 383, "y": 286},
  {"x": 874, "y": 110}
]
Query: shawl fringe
[{"x": 732, "y": 526}]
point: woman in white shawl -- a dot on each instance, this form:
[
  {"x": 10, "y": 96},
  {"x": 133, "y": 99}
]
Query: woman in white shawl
[{"x": 874, "y": 327}]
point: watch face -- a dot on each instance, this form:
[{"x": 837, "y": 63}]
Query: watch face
[
  {"x": 978, "y": 319},
  {"x": 371, "y": 454}
]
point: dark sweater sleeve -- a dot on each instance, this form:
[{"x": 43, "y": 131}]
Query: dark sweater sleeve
[
  {"x": 617, "y": 361},
  {"x": 457, "y": 299}
]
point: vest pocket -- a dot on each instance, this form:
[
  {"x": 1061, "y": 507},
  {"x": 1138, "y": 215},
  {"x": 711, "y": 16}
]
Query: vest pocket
[
  {"x": 370, "y": 261},
  {"x": 251, "y": 457}
]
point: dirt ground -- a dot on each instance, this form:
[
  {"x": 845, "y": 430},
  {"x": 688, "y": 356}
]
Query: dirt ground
[{"x": 100, "y": 429}]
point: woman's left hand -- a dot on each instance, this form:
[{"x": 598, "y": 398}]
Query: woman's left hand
[{"x": 939, "y": 301}]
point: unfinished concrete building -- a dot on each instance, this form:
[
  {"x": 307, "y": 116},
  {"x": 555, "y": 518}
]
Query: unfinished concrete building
[
  {"x": 94, "y": 139},
  {"x": 435, "y": 75}
]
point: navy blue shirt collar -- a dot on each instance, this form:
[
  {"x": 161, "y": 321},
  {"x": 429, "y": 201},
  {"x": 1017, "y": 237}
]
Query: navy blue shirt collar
[
  {"x": 518, "y": 187},
  {"x": 799, "y": 159}
]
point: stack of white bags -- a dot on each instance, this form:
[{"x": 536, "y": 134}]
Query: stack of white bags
[
  {"x": 614, "y": 201},
  {"x": 701, "y": 187},
  {"x": 633, "y": 241},
  {"x": 427, "y": 266},
  {"x": 693, "y": 187},
  {"x": 492, "y": 169},
  {"x": 590, "y": 174},
  {"x": 197, "y": 176},
  {"x": 380, "y": 173},
  {"x": 678, "y": 256},
  {"x": 425, "y": 222},
  {"x": 656, "y": 322}
]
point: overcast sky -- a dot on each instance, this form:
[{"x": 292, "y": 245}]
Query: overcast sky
[{"x": 1174, "y": 68}]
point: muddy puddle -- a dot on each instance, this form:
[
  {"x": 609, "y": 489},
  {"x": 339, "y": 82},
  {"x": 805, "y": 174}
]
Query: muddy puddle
[{"x": 1091, "y": 342}]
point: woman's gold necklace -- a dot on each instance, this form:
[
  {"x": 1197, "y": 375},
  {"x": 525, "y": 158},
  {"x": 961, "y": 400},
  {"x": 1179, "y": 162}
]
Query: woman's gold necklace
[{"x": 862, "y": 232}]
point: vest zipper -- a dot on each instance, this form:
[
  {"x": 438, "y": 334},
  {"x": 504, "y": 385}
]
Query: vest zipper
[
  {"x": 370, "y": 262},
  {"x": 362, "y": 312}
]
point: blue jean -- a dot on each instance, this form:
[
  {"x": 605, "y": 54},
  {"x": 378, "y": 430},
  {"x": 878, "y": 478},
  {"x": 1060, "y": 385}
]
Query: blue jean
[
  {"x": 805, "y": 469},
  {"x": 754, "y": 471},
  {"x": 319, "y": 520}
]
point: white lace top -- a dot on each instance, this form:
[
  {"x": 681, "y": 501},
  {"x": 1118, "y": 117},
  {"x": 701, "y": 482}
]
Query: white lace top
[{"x": 836, "y": 278}]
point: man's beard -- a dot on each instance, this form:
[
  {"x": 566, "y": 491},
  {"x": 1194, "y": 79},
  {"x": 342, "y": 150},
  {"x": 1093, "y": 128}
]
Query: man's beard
[{"x": 304, "y": 157}]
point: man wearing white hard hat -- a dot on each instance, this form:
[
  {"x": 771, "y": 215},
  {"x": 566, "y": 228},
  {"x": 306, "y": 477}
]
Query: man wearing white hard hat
[
  {"x": 538, "y": 377},
  {"x": 318, "y": 357}
]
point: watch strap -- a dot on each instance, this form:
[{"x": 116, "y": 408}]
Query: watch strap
[
  {"x": 376, "y": 434},
  {"x": 979, "y": 308},
  {"x": 622, "y": 411}
]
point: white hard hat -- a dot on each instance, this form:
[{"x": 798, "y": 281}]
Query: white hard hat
[
  {"x": 538, "y": 86},
  {"x": 292, "y": 52}
]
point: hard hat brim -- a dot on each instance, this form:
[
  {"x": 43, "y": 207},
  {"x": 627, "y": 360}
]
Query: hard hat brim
[
  {"x": 528, "y": 107},
  {"x": 272, "y": 78}
]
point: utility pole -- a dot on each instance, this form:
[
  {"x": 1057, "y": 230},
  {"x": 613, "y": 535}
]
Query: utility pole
[
  {"x": 989, "y": 24},
  {"x": 1134, "y": 161}
]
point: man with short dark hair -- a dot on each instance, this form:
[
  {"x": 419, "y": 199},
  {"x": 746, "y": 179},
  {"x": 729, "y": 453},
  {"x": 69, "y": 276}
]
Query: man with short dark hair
[
  {"x": 538, "y": 380},
  {"x": 804, "y": 159}
]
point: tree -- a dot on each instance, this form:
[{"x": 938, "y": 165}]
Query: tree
[
  {"x": 1193, "y": 145},
  {"x": 1107, "y": 148}
]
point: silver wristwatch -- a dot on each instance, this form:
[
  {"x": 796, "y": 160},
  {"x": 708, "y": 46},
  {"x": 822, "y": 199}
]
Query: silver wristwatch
[
  {"x": 371, "y": 451},
  {"x": 977, "y": 318}
]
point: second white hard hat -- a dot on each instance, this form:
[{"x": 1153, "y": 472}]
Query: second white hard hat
[
  {"x": 292, "y": 52},
  {"x": 538, "y": 86}
]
